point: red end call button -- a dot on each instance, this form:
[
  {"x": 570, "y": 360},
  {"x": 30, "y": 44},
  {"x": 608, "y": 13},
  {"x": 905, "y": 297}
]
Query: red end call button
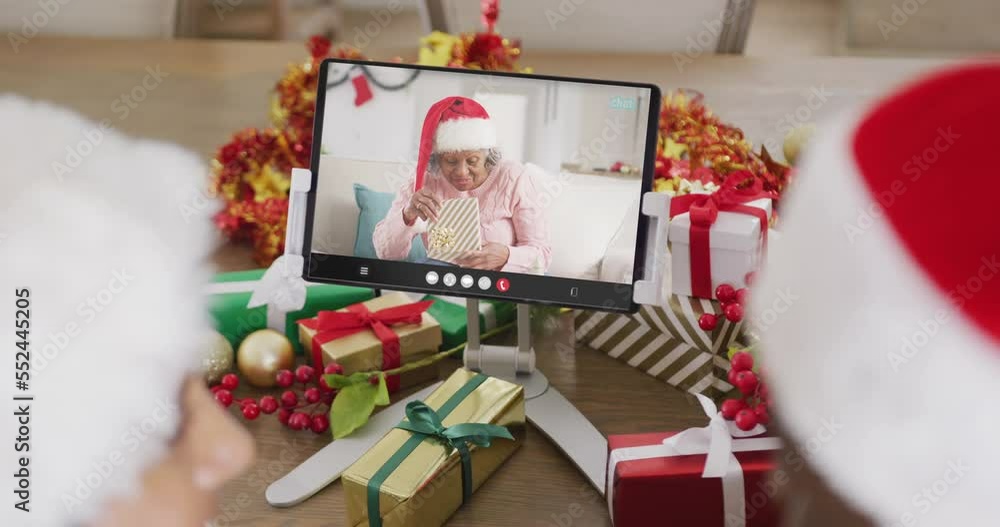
[{"x": 503, "y": 285}]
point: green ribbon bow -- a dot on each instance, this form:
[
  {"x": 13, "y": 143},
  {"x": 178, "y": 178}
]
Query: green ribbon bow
[{"x": 426, "y": 423}]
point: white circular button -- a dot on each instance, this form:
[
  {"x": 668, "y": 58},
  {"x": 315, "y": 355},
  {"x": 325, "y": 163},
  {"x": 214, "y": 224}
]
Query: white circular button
[
  {"x": 467, "y": 281},
  {"x": 485, "y": 283},
  {"x": 432, "y": 277},
  {"x": 449, "y": 279}
]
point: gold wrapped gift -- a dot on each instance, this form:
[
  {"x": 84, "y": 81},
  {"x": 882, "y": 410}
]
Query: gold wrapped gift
[
  {"x": 426, "y": 486},
  {"x": 362, "y": 349}
]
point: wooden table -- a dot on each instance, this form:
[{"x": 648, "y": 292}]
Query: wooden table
[{"x": 210, "y": 89}]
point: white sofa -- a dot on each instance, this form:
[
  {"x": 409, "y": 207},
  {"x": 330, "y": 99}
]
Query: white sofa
[{"x": 592, "y": 218}]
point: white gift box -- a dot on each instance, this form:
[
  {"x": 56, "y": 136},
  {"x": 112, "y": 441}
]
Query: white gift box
[{"x": 735, "y": 244}]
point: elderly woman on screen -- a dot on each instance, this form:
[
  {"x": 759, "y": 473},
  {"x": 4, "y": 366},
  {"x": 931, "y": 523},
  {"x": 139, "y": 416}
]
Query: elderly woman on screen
[{"x": 458, "y": 158}]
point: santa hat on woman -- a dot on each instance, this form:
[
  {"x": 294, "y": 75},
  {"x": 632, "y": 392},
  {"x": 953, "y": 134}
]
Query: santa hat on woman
[
  {"x": 453, "y": 124},
  {"x": 887, "y": 362},
  {"x": 111, "y": 247}
]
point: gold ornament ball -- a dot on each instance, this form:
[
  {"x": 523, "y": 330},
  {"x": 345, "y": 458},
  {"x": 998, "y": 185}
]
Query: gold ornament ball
[
  {"x": 796, "y": 141},
  {"x": 262, "y": 354},
  {"x": 218, "y": 357}
]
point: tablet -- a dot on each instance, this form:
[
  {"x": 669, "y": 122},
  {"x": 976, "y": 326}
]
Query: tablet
[{"x": 468, "y": 183}]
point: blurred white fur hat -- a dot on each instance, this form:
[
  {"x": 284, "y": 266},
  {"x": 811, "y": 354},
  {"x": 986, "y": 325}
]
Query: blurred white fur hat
[
  {"x": 109, "y": 236},
  {"x": 879, "y": 310}
]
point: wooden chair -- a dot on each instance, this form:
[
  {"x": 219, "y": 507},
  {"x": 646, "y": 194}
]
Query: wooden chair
[
  {"x": 93, "y": 18},
  {"x": 714, "y": 26},
  {"x": 887, "y": 27},
  {"x": 268, "y": 19}
]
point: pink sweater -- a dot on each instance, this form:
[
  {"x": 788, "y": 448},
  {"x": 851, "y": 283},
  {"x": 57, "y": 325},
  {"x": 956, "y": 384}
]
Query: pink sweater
[{"x": 509, "y": 214}]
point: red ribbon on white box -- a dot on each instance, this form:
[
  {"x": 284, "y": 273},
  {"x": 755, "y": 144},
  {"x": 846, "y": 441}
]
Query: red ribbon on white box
[{"x": 719, "y": 441}]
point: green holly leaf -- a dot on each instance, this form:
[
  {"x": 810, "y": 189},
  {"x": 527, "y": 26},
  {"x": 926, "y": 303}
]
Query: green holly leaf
[
  {"x": 382, "y": 391},
  {"x": 351, "y": 408},
  {"x": 355, "y": 402}
]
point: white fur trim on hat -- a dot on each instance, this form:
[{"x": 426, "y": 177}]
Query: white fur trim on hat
[
  {"x": 112, "y": 250},
  {"x": 464, "y": 134},
  {"x": 884, "y": 387}
]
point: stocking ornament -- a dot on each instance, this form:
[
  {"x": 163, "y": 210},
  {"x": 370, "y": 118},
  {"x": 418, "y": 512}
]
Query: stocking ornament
[{"x": 362, "y": 89}]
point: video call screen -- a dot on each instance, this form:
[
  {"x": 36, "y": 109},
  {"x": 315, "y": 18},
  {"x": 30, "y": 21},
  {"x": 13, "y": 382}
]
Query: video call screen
[{"x": 480, "y": 184}]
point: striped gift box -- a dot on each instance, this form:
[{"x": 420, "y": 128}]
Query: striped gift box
[
  {"x": 680, "y": 319},
  {"x": 456, "y": 231},
  {"x": 666, "y": 342}
]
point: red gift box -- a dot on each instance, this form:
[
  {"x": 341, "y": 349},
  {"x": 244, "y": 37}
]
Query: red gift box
[{"x": 672, "y": 490}]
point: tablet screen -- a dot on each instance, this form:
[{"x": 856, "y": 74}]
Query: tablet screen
[{"x": 475, "y": 184}]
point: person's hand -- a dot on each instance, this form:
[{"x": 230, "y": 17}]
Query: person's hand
[
  {"x": 423, "y": 205},
  {"x": 491, "y": 257}
]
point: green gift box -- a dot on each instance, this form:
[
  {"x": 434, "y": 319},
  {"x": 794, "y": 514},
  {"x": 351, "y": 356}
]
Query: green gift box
[
  {"x": 450, "y": 312},
  {"x": 230, "y": 293}
]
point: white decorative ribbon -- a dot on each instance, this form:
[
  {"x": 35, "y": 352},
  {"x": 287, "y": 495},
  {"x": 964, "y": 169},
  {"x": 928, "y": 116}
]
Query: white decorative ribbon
[
  {"x": 719, "y": 440},
  {"x": 281, "y": 289}
]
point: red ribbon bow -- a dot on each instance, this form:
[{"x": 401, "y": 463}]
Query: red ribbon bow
[
  {"x": 332, "y": 325},
  {"x": 704, "y": 209}
]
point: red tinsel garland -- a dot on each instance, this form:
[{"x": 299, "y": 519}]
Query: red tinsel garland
[
  {"x": 252, "y": 172},
  {"x": 697, "y": 146}
]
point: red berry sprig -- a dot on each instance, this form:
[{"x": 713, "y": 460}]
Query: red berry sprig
[
  {"x": 304, "y": 409},
  {"x": 731, "y": 301},
  {"x": 752, "y": 408}
]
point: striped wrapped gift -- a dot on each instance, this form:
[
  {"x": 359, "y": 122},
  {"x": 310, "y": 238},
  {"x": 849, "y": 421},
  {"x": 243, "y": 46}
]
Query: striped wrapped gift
[
  {"x": 666, "y": 342},
  {"x": 456, "y": 231}
]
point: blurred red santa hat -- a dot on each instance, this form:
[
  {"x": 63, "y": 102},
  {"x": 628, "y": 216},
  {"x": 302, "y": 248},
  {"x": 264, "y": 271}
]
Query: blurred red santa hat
[
  {"x": 453, "y": 124},
  {"x": 879, "y": 310}
]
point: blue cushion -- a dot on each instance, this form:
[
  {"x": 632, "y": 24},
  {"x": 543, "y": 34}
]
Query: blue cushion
[{"x": 374, "y": 206}]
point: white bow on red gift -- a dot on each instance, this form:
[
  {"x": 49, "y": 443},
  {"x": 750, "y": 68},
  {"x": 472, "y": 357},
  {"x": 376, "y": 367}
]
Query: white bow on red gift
[{"x": 719, "y": 440}]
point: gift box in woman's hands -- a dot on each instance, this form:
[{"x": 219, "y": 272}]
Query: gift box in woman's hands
[{"x": 456, "y": 231}]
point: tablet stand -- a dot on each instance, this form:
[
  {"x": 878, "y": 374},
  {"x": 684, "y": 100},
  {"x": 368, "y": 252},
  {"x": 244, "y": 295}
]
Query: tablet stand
[{"x": 546, "y": 408}]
